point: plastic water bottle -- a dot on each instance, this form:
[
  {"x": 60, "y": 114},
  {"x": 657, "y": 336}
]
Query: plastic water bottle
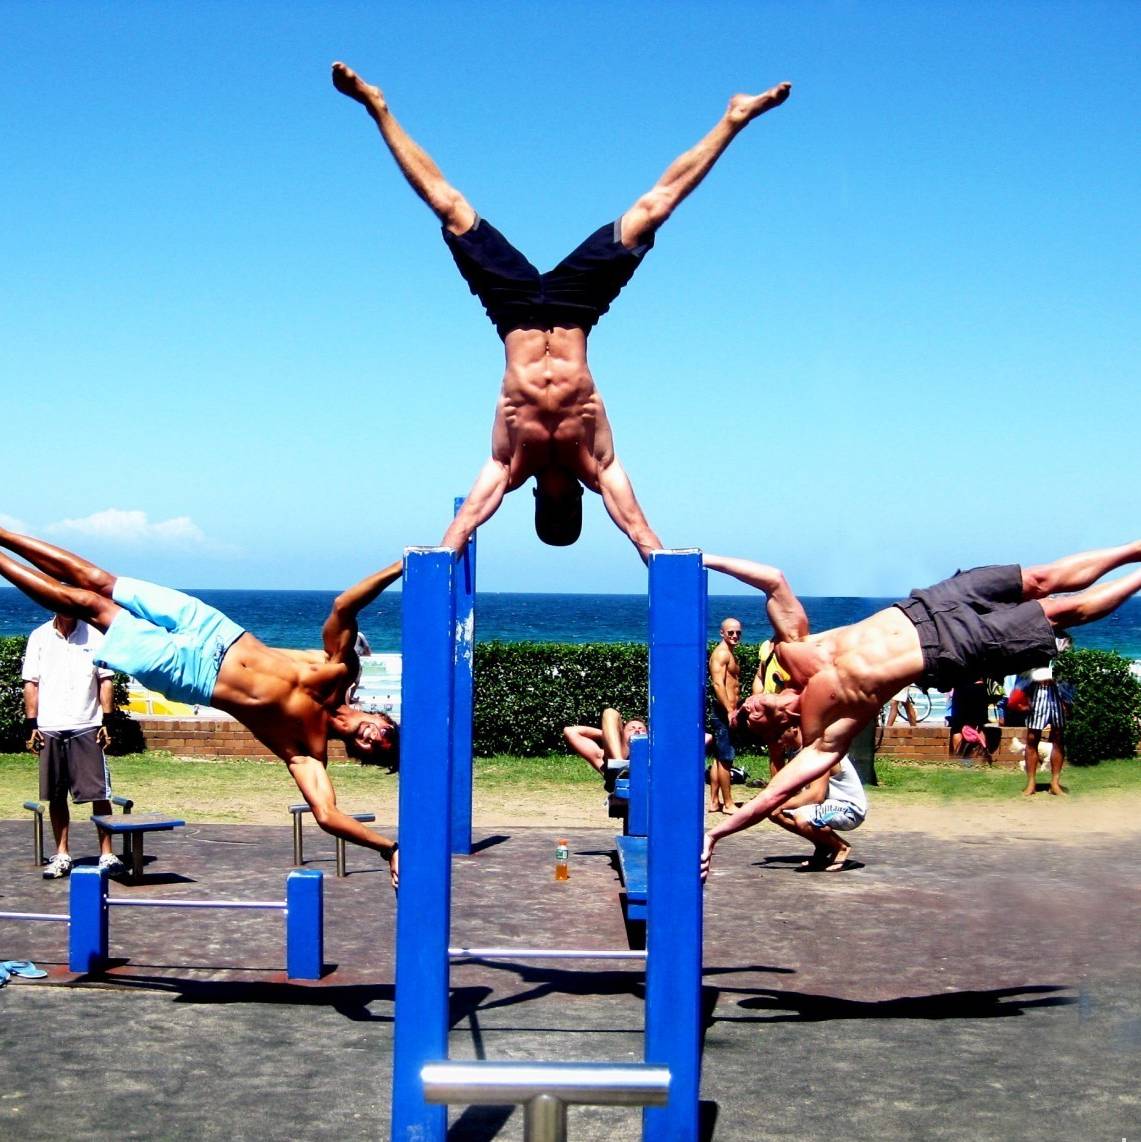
[{"x": 562, "y": 856}]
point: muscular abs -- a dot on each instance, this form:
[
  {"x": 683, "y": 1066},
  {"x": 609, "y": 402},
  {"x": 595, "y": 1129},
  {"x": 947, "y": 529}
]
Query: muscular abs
[
  {"x": 280, "y": 698},
  {"x": 550, "y": 412}
]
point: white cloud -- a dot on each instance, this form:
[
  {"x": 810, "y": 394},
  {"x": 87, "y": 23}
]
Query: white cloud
[
  {"x": 11, "y": 523},
  {"x": 133, "y": 528}
]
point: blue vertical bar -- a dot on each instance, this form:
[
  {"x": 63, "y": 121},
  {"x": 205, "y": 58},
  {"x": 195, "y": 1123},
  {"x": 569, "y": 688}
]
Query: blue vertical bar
[
  {"x": 424, "y": 901},
  {"x": 462, "y": 729},
  {"x": 674, "y": 922},
  {"x": 88, "y": 935},
  {"x": 638, "y": 807},
  {"x": 304, "y": 923}
]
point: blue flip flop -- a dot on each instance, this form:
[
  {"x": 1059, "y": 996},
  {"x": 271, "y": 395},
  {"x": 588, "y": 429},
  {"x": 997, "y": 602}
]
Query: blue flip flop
[{"x": 22, "y": 969}]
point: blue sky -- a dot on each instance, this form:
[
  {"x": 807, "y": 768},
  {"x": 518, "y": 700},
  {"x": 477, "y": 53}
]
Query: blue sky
[{"x": 895, "y": 332}]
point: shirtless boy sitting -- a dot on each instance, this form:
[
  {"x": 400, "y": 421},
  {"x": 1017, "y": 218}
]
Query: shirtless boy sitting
[
  {"x": 609, "y": 741},
  {"x": 550, "y": 421},
  {"x": 292, "y": 701},
  {"x": 991, "y": 620}
]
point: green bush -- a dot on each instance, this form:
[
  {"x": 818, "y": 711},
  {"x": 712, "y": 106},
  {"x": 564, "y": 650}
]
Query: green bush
[
  {"x": 11, "y": 694},
  {"x": 525, "y": 692},
  {"x": 1106, "y": 718}
]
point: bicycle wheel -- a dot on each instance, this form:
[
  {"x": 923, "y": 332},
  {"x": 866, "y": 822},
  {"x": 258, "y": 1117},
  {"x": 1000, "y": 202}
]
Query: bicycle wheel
[{"x": 921, "y": 700}]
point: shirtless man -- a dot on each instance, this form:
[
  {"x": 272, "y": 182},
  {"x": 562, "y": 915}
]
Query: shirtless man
[
  {"x": 609, "y": 741},
  {"x": 992, "y": 620},
  {"x": 550, "y": 422},
  {"x": 725, "y": 678},
  {"x": 292, "y": 701}
]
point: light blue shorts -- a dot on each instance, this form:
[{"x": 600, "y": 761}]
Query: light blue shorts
[
  {"x": 831, "y": 814},
  {"x": 170, "y": 642}
]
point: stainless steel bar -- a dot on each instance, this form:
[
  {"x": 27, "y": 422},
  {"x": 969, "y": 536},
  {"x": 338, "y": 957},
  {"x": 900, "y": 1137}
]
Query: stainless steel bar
[
  {"x": 279, "y": 905},
  {"x": 545, "y": 1119},
  {"x": 507, "y": 953},
  {"x": 33, "y": 916},
  {"x": 587, "y": 1084}
]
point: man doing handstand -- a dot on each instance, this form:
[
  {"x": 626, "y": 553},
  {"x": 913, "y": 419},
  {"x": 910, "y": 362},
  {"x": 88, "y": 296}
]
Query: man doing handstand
[
  {"x": 991, "y": 621},
  {"x": 550, "y": 421},
  {"x": 292, "y": 701}
]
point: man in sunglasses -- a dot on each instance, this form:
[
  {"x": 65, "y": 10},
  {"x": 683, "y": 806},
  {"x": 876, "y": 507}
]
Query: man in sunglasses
[
  {"x": 988, "y": 621},
  {"x": 292, "y": 701},
  {"x": 550, "y": 422}
]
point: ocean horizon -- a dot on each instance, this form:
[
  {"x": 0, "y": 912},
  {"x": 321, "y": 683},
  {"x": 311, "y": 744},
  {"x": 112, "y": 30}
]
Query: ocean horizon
[{"x": 294, "y": 618}]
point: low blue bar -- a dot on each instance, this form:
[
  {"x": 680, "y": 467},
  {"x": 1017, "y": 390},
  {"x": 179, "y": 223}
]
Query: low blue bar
[
  {"x": 87, "y": 936},
  {"x": 424, "y": 901},
  {"x": 674, "y": 921},
  {"x": 304, "y": 924},
  {"x": 463, "y": 728}
]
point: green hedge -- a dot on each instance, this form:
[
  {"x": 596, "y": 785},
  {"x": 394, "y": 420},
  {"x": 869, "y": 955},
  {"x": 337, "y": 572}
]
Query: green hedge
[
  {"x": 1106, "y": 717},
  {"x": 525, "y": 692}
]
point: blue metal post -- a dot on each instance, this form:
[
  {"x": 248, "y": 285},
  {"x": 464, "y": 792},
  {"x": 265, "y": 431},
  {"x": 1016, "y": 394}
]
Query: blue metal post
[
  {"x": 424, "y": 903},
  {"x": 87, "y": 936},
  {"x": 674, "y": 921},
  {"x": 304, "y": 923},
  {"x": 464, "y": 697},
  {"x": 638, "y": 807}
]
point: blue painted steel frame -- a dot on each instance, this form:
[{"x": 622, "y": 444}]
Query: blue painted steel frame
[
  {"x": 424, "y": 901},
  {"x": 674, "y": 921},
  {"x": 88, "y": 931},
  {"x": 638, "y": 805},
  {"x": 304, "y": 923},
  {"x": 464, "y": 697}
]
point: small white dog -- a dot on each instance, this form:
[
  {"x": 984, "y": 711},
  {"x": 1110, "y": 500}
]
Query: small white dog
[{"x": 1018, "y": 746}]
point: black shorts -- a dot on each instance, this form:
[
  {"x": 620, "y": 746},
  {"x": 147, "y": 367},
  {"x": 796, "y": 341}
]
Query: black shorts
[
  {"x": 574, "y": 295},
  {"x": 976, "y": 624},
  {"x": 72, "y": 760}
]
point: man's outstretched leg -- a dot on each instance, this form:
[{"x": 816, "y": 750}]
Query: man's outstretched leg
[
  {"x": 85, "y": 590},
  {"x": 686, "y": 171},
  {"x": 1088, "y": 606},
  {"x": 417, "y": 166},
  {"x": 1073, "y": 572}
]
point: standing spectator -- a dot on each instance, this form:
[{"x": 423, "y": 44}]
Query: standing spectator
[
  {"x": 1046, "y": 709},
  {"x": 66, "y": 702},
  {"x": 725, "y": 676}
]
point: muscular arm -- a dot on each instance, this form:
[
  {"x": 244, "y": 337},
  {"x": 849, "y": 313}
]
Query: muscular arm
[
  {"x": 481, "y": 504},
  {"x": 340, "y": 630},
  {"x": 624, "y": 509},
  {"x": 718, "y": 677},
  {"x": 785, "y": 611},
  {"x": 313, "y": 781}
]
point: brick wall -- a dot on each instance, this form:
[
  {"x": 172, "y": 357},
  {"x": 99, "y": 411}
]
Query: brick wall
[
  {"x": 210, "y": 737},
  {"x": 929, "y": 743}
]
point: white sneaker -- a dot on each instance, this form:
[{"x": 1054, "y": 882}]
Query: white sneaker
[
  {"x": 111, "y": 864},
  {"x": 59, "y": 865}
]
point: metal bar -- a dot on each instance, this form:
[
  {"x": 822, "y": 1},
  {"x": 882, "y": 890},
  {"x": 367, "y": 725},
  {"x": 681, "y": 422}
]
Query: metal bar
[
  {"x": 463, "y": 663},
  {"x": 423, "y": 905},
  {"x": 37, "y": 811},
  {"x": 506, "y": 953},
  {"x": 32, "y": 916},
  {"x": 341, "y": 856},
  {"x": 263, "y": 904},
  {"x": 475, "y": 1083},
  {"x": 674, "y": 896},
  {"x": 298, "y": 851}
]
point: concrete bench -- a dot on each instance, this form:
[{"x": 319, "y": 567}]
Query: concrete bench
[
  {"x": 38, "y": 808},
  {"x": 135, "y": 827},
  {"x": 298, "y": 843}
]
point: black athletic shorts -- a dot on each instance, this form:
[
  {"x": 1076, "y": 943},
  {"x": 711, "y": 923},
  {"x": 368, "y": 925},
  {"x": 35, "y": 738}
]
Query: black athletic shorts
[
  {"x": 72, "y": 760},
  {"x": 976, "y": 624},
  {"x": 575, "y": 294}
]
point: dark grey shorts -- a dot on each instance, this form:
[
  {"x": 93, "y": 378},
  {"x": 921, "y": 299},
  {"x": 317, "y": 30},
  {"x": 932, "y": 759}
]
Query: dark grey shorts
[
  {"x": 723, "y": 748},
  {"x": 72, "y": 760},
  {"x": 975, "y": 624}
]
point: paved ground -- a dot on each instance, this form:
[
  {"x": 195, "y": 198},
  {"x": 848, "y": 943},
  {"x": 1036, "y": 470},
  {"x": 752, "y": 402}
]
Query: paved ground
[{"x": 983, "y": 988}]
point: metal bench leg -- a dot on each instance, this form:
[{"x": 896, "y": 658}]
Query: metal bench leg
[
  {"x": 341, "y": 857},
  {"x": 298, "y": 855},
  {"x": 38, "y": 837},
  {"x": 137, "y": 856}
]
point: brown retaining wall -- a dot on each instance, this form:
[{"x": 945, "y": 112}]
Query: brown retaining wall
[{"x": 223, "y": 737}]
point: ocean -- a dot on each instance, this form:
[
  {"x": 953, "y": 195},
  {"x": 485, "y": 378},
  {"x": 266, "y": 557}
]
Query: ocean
[{"x": 294, "y": 618}]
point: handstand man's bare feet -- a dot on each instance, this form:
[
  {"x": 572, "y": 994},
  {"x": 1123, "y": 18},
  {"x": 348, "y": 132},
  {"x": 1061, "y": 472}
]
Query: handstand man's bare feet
[
  {"x": 347, "y": 82},
  {"x": 744, "y": 108}
]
